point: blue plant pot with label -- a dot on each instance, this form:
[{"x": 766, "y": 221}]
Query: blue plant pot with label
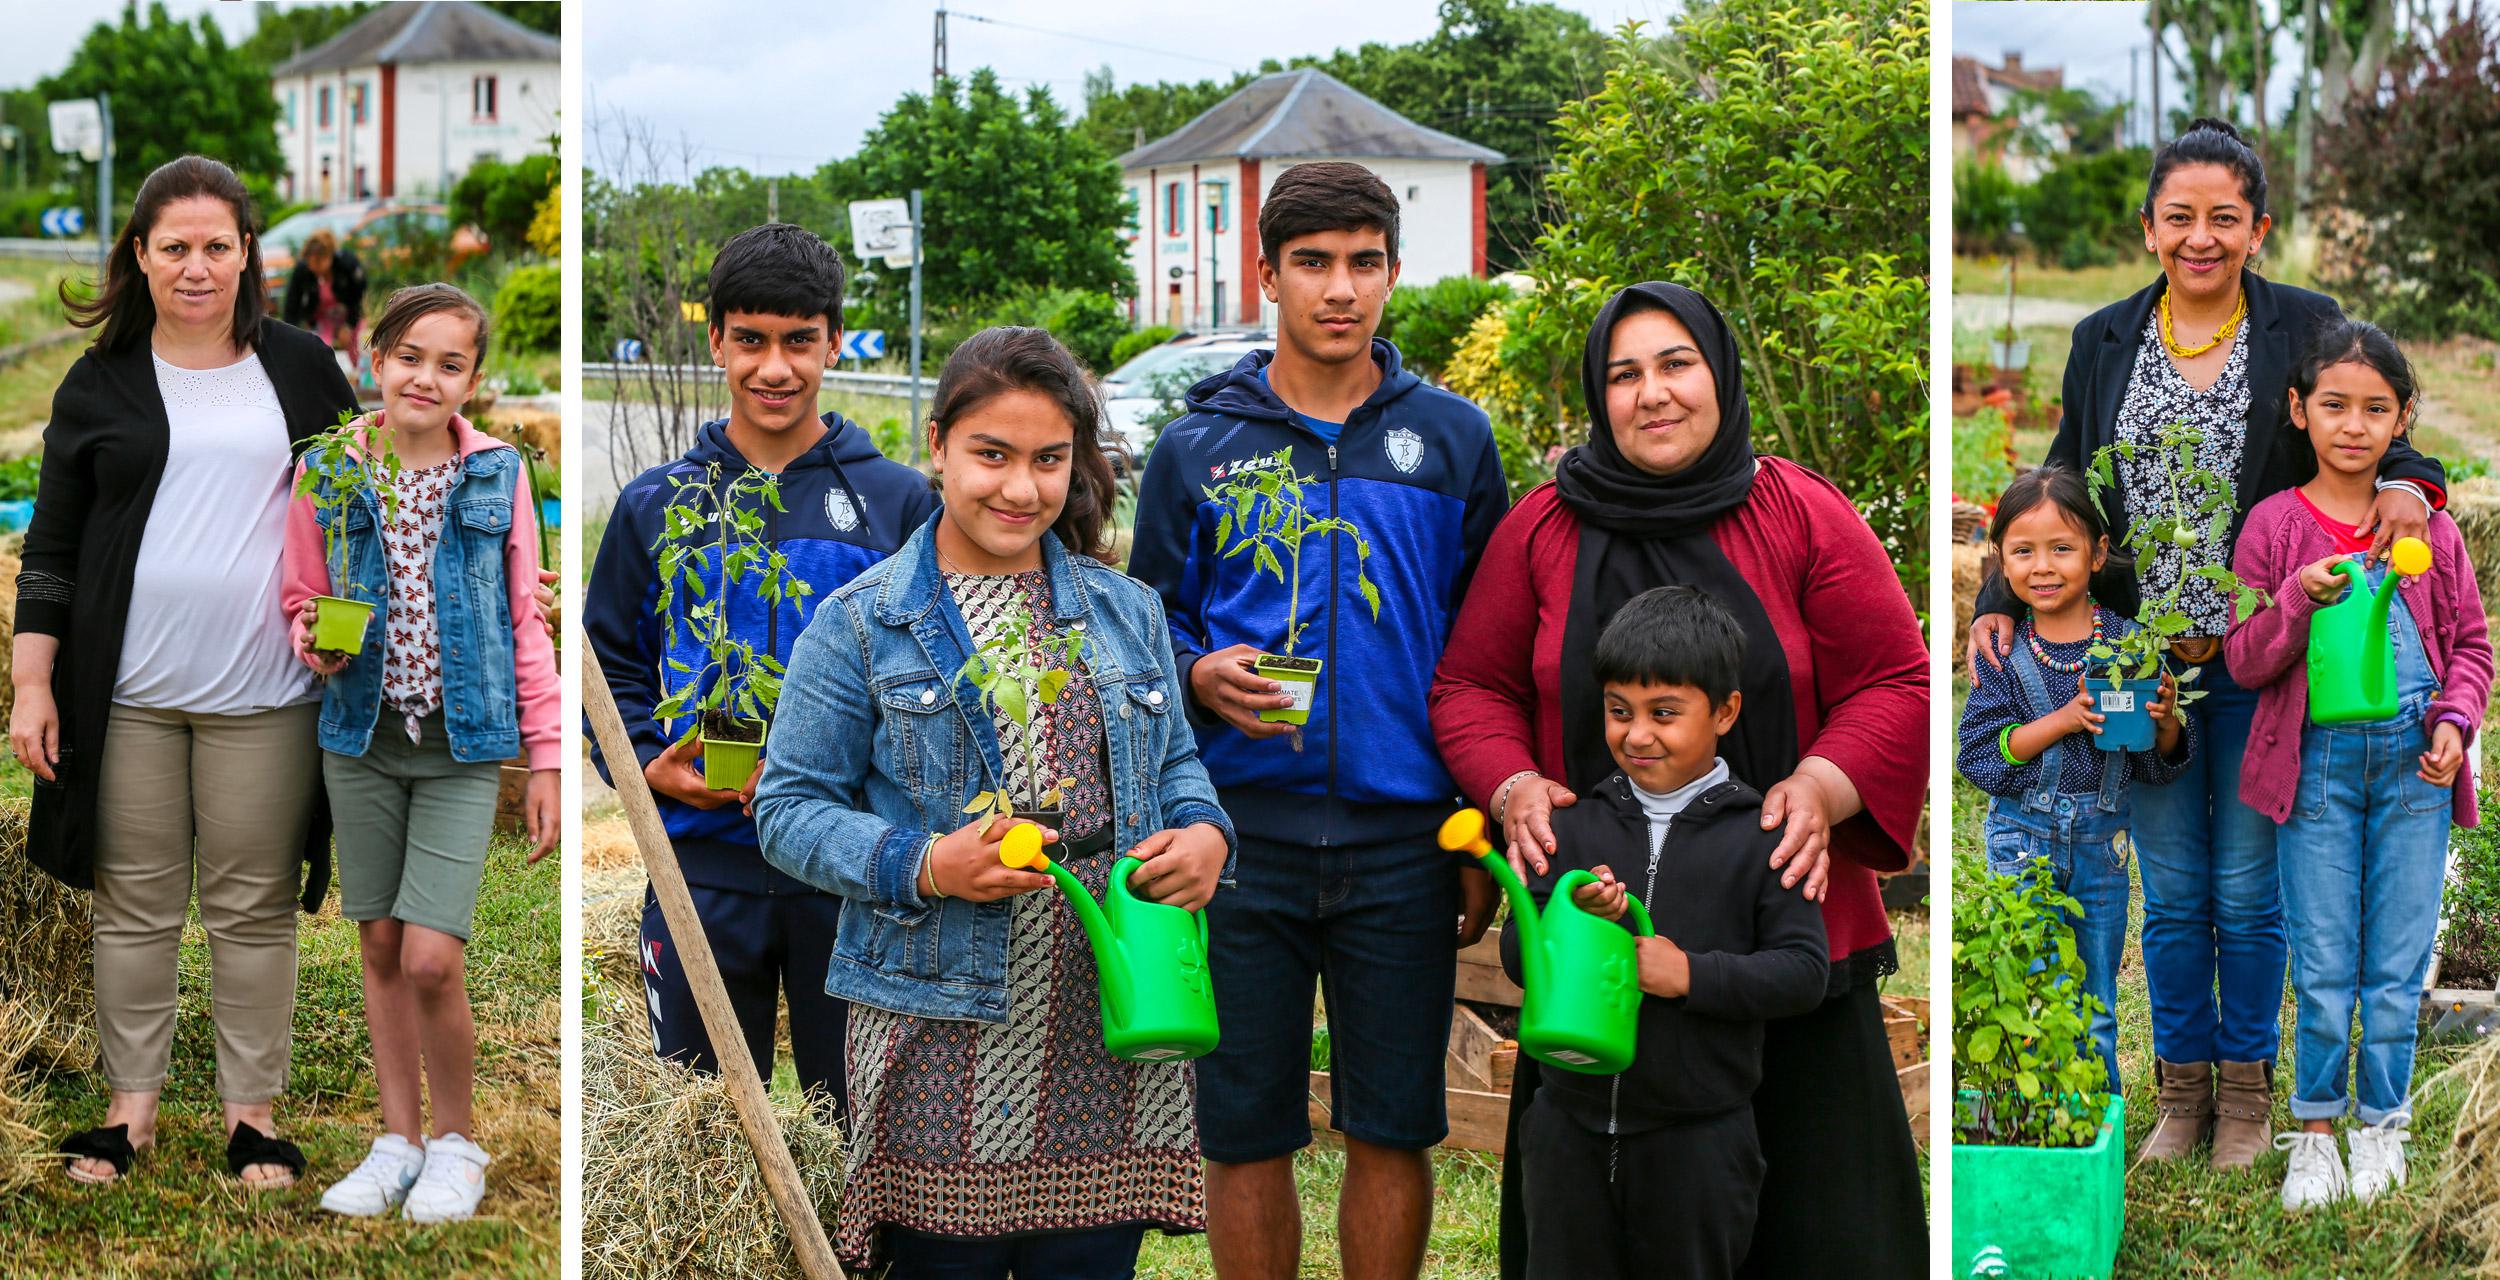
[
  {"x": 550, "y": 514},
  {"x": 15, "y": 515},
  {"x": 2126, "y": 708}
]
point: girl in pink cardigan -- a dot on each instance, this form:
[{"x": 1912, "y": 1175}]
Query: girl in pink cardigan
[
  {"x": 2365, "y": 808},
  {"x": 455, "y": 675}
]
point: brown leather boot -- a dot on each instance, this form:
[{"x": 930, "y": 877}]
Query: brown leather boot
[
  {"x": 2245, "y": 1106},
  {"x": 2186, "y": 1109}
]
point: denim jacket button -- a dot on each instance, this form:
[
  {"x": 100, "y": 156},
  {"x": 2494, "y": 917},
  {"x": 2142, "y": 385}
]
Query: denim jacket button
[
  {"x": 927, "y": 697},
  {"x": 1155, "y": 699}
]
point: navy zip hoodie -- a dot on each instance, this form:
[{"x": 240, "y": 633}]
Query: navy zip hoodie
[
  {"x": 1415, "y": 468},
  {"x": 846, "y": 507}
]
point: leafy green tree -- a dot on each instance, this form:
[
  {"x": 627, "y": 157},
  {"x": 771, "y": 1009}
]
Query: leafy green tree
[
  {"x": 177, "y": 90},
  {"x": 503, "y": 197},
  {"x": 1427, "y": 321},
  {"x": 281, "y": 33},
  {"x": 1773, "y": 156},
  {"x": 543, "y": 16},
  {"x": 1013, "y": 198},
  {"x": 1120, "y": 120}
]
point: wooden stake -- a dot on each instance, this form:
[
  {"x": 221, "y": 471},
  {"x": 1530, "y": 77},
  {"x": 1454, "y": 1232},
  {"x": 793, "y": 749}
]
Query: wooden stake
[{"x": 694, "y": 953}]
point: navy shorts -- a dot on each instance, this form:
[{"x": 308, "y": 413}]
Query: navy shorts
[{"x": 1376, "y": 926}]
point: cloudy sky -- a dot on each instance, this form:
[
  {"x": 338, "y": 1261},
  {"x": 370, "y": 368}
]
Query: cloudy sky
[
  {"x": 806, "y": 82},
  {"x": 2092, "y": 42},
  {"x": 41, "y": 35}
]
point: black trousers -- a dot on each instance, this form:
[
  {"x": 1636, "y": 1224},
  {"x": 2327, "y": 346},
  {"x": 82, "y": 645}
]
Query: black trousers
[
  {"x": 767, "y": 946},
  {"x": 1840, "y": 1196},
  {"x": 1667, "y": 1204}
]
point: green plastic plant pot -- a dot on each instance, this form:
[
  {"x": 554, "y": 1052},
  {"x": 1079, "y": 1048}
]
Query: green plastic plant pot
[
  {"x": 1300, "y": 678},
  {"x": 727, "y": 765},
  {"x": 2126, "y": 708},
  {"x": 2049, "y": 1213},
  {"x": 339, "y": 624}
]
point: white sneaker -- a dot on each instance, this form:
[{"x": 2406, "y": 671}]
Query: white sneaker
[
  {"x": 2316, "y": 1175},
  {"x": 455, "y": 1179},
  {"x": 2378, "y": 1157},
  {"x": 379, "y": 1184}
]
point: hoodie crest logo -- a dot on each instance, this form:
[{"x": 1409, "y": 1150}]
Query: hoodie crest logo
[
  {"x": 1406, "y": 449},
  {"x": 840, "y": 511}
]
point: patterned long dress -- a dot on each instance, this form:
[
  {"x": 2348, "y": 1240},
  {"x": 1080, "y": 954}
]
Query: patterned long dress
[{"x": 990, "y": 1130}]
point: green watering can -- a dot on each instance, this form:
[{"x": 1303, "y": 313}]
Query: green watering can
[
  {"x": 2352, "y": 656},
  {"x": 1157, "y": 1005},
  {"x": 1583, "y": 1003}
]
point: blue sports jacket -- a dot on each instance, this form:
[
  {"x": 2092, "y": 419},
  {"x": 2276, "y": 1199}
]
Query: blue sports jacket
[
  {"x": 847, "y": 507},
  {"x": 1416, "y": 469}
]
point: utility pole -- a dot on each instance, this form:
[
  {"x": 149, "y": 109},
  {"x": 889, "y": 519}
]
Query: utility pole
[
  {"x": 104, "y": 187},
  {"x": 2153, "y": 135},
  {"x": 2135, "y": 105},
  {"x": 937, "y": 53},
  {"x": 772, "y": 199},
  {"x": 917, "y": 428}
]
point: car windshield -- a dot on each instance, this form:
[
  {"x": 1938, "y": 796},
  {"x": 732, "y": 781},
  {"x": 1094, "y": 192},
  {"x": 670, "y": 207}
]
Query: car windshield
[
  {"x": 290, "y": 233},
  {"x": 1187, "y": 364}
]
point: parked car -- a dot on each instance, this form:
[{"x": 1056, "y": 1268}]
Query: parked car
[
  {"x": 1134, "y": 395},
  {"x": 378, "y": 232}
]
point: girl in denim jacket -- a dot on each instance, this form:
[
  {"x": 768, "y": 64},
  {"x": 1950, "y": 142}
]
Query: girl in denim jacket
[
  {"x": 2364, "y": 807},
  {"x": 456, "y": 675},
  {"x": 991, "y": 1130}
]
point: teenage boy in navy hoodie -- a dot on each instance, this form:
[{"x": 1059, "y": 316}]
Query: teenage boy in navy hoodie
[
  {"x": 1341, "y": 882},
  {"x": 776, "y": 324},
  {"x": 1655, "y": 1171}
]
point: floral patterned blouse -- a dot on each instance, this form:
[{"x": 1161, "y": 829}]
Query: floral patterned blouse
[{"x": 412, "y": 664}]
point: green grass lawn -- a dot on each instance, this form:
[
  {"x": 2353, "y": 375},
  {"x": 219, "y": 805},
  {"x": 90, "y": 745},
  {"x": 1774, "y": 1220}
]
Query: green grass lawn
[
  {"x": 178, "y": 1213},
  {"x": 2186, "y": 1219}
]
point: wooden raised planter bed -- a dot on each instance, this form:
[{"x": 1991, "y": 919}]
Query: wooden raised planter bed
[
  {"x": 511, "y": 786},
  {"x": 1482, "y": 1057}
]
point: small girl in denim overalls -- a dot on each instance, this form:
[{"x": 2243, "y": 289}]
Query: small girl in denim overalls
[
  {"x": 456, "y": 675},
  {"x": 2365, "y": 814},
  {"x": 2026, "y": 736}
]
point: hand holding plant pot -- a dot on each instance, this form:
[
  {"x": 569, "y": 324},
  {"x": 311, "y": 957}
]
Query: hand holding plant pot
[
  {"x": 345, "y": 467},
  {"x": 732, "y": 694},
  {"x": 1265, "y": 516},
  {"x": 2125, "y": 676}
]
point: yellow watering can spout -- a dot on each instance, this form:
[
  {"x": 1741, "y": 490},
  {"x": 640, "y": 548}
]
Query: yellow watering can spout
[
  {"x": 1022, "y": 848},
  {"x": 2410, "y": 557}
]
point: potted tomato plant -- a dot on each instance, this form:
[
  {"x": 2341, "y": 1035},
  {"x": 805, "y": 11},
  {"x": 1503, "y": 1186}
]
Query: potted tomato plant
[
  {"x": 716, "y": 532},
  {"x": 1264, "y": 515},
  {"x": 351, "y": 465}
]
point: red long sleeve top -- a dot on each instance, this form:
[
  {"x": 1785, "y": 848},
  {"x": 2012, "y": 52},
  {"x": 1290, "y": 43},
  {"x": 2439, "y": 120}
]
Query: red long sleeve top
[{"x": 1857, "y": 666}]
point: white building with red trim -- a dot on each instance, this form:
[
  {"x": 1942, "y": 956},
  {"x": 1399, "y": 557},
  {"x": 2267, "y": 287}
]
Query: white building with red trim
[
  {"x": 1194, "y": 195},
  {"x": 405, "y": 100}
]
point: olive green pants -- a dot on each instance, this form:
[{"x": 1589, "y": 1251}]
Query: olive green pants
[
  {"x": 226, "y": 799},
  {"x": 412, "y": 827}
]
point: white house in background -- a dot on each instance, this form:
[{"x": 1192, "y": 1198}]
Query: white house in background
[
  {"x": 1194, "y": 195},
  {"x": 405, "y": 100}
]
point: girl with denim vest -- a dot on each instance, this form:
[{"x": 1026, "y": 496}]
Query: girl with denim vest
[
  {"x": 2026, "y": 735},
  {"x": 2364, "y": 807},
  {"x": 456, "y": 675},
  {"x": 991, "y": 1131}
]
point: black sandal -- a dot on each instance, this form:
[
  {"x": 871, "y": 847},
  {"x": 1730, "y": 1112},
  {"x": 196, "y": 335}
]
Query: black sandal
[
  {"x": 110, "y": 1144},
  {"x": 248, "y": 1146}
]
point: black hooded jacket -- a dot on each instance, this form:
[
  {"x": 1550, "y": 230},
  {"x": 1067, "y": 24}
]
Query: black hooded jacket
[{"x": 1757, "y": 952}]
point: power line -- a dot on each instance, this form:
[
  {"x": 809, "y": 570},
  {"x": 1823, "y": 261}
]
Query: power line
[{"x": 1071, "y": 35}]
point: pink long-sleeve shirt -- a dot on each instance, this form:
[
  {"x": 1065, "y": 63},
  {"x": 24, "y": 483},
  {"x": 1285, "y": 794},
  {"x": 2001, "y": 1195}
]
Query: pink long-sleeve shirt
[
  {"x": 534, "y": 655},
  {"x": 2268, "y": 650}
]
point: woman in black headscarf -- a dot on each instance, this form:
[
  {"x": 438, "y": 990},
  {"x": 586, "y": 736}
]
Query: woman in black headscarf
[{"x": 1668, "y": 489}]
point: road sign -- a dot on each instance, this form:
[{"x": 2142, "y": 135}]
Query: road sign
[
  {"x": 881, "y": 229},
  {"x": 78, "y": 126},
  {"x": 64, "y": 222},
  {"x": 628, "y": 350},
  {"x": 864, "y": 344},
  {"x": 692, "y": 312}
]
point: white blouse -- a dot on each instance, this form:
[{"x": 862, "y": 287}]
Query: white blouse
[{"x": 206, "y": 634}]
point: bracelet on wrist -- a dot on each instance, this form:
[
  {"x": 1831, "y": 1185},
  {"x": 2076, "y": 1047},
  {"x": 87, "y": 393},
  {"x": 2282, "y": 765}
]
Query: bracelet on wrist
[
  {"x": 928, "y": 864},
  {"x": 2005, "y": 747},
  {"x": 1501, "y": 794}
]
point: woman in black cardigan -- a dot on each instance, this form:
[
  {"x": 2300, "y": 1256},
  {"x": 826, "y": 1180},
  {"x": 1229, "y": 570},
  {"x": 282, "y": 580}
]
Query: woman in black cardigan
[
  {"x": 2212, "y": 344},
  {"x": 148, "y": 605}
]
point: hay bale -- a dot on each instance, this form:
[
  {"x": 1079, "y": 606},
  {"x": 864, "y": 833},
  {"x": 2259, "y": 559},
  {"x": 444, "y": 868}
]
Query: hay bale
[
  {"x": 2462, "y": 1202},
  {"x": 47, "y": 949},
  {"x": 9, "y": 566},
  {"x": 25, "y": 1155},
  {"x": 669, "y": 1186},
  {"x": 607, "y": 844},
  {"x": 2475, "y": 505},
  {"x": 1970, "y": 566}
]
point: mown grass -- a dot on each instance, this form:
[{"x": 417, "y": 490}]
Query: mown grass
[
  {"x": 178, "y": 1213},
  {"x": 2187, "y": 1219}
]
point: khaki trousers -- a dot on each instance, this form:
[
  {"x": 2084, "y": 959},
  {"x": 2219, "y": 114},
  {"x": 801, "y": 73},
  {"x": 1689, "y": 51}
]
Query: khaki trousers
[{"x": 228, "y": 798}]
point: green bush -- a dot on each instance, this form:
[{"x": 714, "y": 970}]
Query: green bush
[
  {"x": 529, "y": 308},
  {"x": 2082, "y": 212},
  {"x": 1980, "y": 471},
  {"x": 2024, "y": 1070},
  {"x": 1985, "y": 200},
  {"x": 17, "y": 477},
  {"x": 1087, "y": 323},
  {"x": 1427, "y": 322},
  {"x": 1146, "y": 339},
  {"x": 502, "y": 197},
  {"x": 2469, "y": 913}
]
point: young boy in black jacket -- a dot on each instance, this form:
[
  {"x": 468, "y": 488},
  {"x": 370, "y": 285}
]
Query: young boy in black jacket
[{"x": 1654, "y": 1172}]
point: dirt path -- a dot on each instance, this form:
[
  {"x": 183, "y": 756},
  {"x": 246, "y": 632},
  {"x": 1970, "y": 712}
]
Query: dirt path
[{"x": 1987, "y": 310}]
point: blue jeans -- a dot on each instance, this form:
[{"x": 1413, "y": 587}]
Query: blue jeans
[
  {"x": 1375, "y": 925},
  {"x": 2214, "y": 945},
  {"x": 2364, "y": 859},
  {"x": 2084, "y": 861},
  {"x": 1103, "y": 1253}
]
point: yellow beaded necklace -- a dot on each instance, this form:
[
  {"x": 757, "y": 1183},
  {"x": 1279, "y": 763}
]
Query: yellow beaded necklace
[{"x": 2239, "y": 312}]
